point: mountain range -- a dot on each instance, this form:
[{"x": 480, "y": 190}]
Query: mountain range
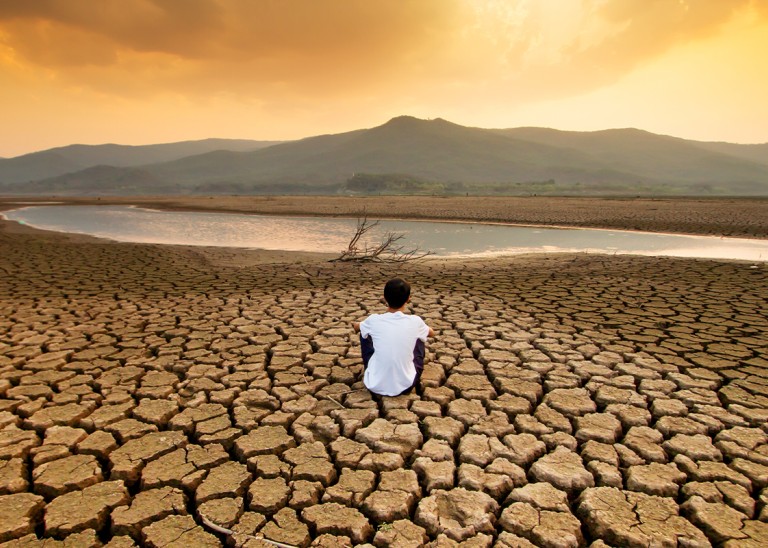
[{"x": 405, "y": 155}]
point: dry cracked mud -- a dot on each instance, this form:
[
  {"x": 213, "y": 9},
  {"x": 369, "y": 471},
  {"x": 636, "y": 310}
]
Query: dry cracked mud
[{"x": 153, "y": 396}]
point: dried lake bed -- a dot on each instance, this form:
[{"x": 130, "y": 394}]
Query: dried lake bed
[{"x": 148, "y": 391}]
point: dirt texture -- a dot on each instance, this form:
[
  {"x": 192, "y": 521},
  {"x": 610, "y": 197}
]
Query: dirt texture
[{"x": 159, "y": 395}]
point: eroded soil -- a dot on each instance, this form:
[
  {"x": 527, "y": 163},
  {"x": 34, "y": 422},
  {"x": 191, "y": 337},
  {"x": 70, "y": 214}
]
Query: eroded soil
[{"x": 156, "y": 396}]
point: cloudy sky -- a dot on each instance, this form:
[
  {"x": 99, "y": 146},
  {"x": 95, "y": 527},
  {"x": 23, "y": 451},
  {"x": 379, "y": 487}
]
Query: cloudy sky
[{"x": 151, "y": 71}]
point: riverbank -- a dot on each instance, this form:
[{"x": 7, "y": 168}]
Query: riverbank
[
  {"x": 147, "y": 391},
  {"x": 737, "y": 217}
]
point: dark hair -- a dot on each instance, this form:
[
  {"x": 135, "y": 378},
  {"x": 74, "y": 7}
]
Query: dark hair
[{"x": 396, "y": 292}]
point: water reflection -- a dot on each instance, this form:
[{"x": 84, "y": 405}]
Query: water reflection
[{"x": 129, "y": 224}]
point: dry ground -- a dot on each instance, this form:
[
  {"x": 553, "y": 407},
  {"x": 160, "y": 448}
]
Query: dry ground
[{"x": 148, "y": 392}]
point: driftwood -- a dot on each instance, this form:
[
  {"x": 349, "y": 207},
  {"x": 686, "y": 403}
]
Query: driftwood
[{"x": 389, "y": 250}]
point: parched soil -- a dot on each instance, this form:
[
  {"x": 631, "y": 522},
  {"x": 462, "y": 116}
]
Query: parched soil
[{"x": 158, "y": 395}]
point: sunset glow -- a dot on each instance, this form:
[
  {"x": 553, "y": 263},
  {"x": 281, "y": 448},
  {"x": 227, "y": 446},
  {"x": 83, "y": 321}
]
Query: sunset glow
[{"x": 152, "y": 71}]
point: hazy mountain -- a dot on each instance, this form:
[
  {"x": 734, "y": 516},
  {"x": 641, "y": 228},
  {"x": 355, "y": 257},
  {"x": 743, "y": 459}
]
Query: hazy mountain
[
  {"x": 433, "y": 150},
  {"x": 68, "y": 159},
  {"x": 411, "y": 155},
  {"x": 99, "y": 181},
  {"x": 756, "y": 153},
  {"x": 665, "y": 159},
  {"x": 35, "y": 166}
]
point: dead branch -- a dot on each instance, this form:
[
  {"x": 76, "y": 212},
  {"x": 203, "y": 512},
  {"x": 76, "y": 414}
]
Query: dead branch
[
  {"x": 388, "y": 250},
  {"x": 230, "y": 533}
]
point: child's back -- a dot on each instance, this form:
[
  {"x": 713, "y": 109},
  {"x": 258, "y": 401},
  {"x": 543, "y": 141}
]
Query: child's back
[
  {"x": 393, "y": 344},
  {"x": 394, "y": 335}
]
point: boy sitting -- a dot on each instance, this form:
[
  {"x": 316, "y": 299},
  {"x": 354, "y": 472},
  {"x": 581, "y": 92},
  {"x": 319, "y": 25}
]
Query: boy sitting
[{"x": 393, "y": 344}]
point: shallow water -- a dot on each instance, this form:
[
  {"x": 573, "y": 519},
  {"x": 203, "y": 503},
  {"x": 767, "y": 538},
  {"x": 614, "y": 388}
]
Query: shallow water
[{"x": 331, "y": 235}]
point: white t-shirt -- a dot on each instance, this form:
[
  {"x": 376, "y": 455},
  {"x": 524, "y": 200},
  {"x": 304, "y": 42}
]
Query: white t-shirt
[{"x": 394, "y": 334}]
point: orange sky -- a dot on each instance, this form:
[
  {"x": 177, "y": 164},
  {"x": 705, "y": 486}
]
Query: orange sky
[{"x": 151, "y": 71}]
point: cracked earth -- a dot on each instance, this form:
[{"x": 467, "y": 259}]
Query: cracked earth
[{"x": 157, "y": 396}]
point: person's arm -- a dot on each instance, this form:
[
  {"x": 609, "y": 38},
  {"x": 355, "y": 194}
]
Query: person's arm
[
  {"x": 356, "y": 326},
  {"x": 431, "y": 332}
]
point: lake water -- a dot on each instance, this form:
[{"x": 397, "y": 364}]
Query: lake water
[{"x": 331, "y": 235}]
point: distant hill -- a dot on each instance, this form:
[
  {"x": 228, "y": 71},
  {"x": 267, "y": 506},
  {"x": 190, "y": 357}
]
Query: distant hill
[
  {"x": 756, "y": 153},
  {"x": 100, "y": 181},
  {"x": 408, "y": 155},
  {"x": 72, "y": 158},
  {"x": 433, "y": 150},
  {"x": 38, "y": 165},
  {"x": 666, "y": 159}
]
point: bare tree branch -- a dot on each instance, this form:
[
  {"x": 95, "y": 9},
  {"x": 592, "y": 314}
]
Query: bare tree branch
[{"x": 389, "y": 250}]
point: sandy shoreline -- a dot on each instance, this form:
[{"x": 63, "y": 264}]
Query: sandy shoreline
[
  {"x": 143, "y": 387},
  {"x": 736, "y": 217}
]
